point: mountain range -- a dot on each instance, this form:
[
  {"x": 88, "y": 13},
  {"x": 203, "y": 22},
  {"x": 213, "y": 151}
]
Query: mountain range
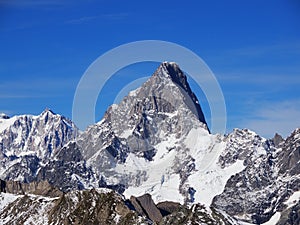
[{"x": 151, "y": 160}]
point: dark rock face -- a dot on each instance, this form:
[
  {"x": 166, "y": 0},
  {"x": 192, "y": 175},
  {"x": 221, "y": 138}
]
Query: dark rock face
[
  {"x": 2, "y": 186},
  {"x": 173, "y": 213},
  {"x": 145, "y": 206},
  {"x": 289, "y": 157},
  {"x": 68, "y": 171},
  {"x": 38, "y": 188},
  {"x": 167, "y": 207},
  {"x": 179, "y": 78},
  {"x": 243, "y": 144},
  {"x": 290, "y": 216},
  {"x": 277, "y": 140},
  {"x": 23, "y": 170}
]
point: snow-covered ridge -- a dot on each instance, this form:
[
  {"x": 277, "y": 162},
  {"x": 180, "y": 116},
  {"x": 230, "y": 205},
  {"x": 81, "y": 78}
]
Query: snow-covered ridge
[
  {"x": 28, "y": 133},
  {"x": 32, "y": 138}
]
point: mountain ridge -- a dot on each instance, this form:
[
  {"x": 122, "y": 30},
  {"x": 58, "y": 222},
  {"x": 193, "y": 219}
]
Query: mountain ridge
[{"x": 154, "y": 142}]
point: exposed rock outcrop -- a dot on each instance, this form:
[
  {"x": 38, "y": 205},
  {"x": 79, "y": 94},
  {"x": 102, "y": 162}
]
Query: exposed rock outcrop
[
  {"x": 168, "y": 207},
  {"x": 42, "y": 188},
  {"x": 145, "y": 206}
]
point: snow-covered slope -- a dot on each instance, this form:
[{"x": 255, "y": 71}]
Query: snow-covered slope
[
  {"x": 27, "y": 141},
  {"x": 267, "y": 185}
]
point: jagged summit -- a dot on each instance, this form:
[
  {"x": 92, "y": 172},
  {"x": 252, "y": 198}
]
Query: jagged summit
[
  {"x": 47, "y": 110},
  {"x": 173, "y": 71},
  {"x": 166, "y": 91}
]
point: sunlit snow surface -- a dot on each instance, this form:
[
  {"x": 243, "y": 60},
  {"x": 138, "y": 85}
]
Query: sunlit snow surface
[
  {"x": 274, "y": 219},
  {"x": 295, "y": 197},
  {"x": 208, "y": 178},
  {"x": 5, "y": 123},
  {"x": 6, "y": 199}
]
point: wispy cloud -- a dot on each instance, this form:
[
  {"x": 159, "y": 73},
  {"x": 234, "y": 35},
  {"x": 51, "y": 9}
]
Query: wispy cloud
[
  {"x": 106, "y": 17},
  {"x": 115, "y": 16},
  {"x": 81, "y": 20},
  {"x": 269, "y": 118}
]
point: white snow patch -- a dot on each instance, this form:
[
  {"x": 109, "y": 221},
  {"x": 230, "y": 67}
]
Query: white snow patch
[
  {"x": 6, "y": 199},
  {"x": 212, "y": 182},
  {"x": 41, "y": 217},
  {"x": 103, "y": 190},
  {"x": 117, "y": 218},
  {"x": 21, "y": 154},
  {"x": 245, "y": 223},
  {"x": 161, "y": 183},
  {"x": 114, "y": 106},
  {"x": 134, "y": 92},
  {"x": 293, "y": 199},
  {"x": 37, "y": 140},
  {"x": 168, "y": 190},
  {"x": 101, "y": 121},
  {"x": 170, "y": 115},
  {"x": 5, "y": 123},
  {"x": 297, "y": 136},
  {"x": 126, "y": 133},
  {"x": 274, "y": 219},
  {"x": 209, "y": 179}
]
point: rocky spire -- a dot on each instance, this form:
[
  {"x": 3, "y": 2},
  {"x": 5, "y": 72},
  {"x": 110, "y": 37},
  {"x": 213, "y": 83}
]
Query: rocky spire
[{"x": 173, "y": 71}]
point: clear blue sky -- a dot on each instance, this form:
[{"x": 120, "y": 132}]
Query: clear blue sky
[{"x": 253, "y": 48}]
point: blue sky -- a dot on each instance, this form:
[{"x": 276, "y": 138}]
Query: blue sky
[{"x": 253, "y": 48}]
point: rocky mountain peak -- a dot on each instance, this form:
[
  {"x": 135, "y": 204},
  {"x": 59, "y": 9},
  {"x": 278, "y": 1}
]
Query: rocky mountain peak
[
  {"x": 48, "y": 111},
  {"x": 165, "y": 93},
  {"x": 173, "y": 71},
  {"x": 277, "y": 139}
]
